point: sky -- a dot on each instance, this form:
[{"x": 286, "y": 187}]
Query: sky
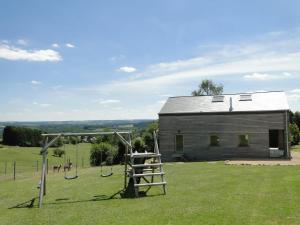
[{"x": 98, "y": 60}]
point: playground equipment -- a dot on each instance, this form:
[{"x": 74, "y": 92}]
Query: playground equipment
[
  {"x": 105, "y": 174},
  {"x": 76, "y": 165},
  {"x": 135, "y": 167}
]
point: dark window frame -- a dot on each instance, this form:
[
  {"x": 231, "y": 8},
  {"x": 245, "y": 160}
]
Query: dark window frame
[
  {"x": 244, "y": 140},
  {"x": 182, "y": 148},
  {"x": 214, "y": 142}
]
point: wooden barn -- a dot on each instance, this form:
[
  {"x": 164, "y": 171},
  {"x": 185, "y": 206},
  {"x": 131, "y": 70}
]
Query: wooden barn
[{"x": 250, "y": 125}]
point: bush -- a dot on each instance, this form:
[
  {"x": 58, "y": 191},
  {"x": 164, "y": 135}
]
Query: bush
[
  {"x": 149, "y": 141},
  {"x": 58, "y": 152},
  {"x": 119, "y": 158},
  {"x": 102, "y": 150},
  {"x": 138, "y": 145},
  {"x": 294, "y": 134}
]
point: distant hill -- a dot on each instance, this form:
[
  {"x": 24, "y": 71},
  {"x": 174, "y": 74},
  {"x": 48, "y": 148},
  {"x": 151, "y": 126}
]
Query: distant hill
[{"x": 81, "y": 126}]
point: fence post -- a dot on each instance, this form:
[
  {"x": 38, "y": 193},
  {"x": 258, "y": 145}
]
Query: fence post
[
  {"x": 5, "y": 167},
  {"x": 14, "y": 170},
  {"x": 47, "y": 166}
]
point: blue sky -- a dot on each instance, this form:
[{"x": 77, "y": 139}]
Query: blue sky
[{"x": 83, "y": 60}]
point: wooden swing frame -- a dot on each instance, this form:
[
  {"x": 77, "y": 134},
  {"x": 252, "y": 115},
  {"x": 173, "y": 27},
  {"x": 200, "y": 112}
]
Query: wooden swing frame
[{"x": 55, "y": 136}]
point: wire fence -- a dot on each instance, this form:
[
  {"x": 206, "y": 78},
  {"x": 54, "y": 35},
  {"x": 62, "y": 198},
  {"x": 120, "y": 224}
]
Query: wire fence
[{"x": 13, "y": 170}]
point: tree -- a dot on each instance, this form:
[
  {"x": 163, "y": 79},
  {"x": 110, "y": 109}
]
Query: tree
[
  {"x": 208, "y": 87},
  {"x": 294, "y": 134},
  {"x": 102, "y": 152}
]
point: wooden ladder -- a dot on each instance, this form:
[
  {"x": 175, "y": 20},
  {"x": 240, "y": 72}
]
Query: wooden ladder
[{"x": 141, "y": 173}]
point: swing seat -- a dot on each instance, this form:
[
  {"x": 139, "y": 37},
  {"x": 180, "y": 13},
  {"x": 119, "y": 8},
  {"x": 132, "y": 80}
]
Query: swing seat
[
  {"x": 107, "y": 175},
  {"x": 71, "y": 178}
]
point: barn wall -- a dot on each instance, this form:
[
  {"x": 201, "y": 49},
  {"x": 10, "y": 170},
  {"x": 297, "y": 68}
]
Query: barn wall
[{"x": 196, "y": 130}]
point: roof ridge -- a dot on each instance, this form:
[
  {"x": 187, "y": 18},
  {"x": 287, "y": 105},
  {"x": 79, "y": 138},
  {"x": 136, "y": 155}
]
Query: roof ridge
[{"x": 239, "y": 93}]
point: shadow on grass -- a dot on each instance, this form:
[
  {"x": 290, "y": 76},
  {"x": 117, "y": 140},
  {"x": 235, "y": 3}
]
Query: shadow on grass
[
  {"x": 61, "y": 201},
  {"x": 27, "y": 204}
]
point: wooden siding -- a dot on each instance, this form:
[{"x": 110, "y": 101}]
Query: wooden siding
[{"x": 196, "y": 131}]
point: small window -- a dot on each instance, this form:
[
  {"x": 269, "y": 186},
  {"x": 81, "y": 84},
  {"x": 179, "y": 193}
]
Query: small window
[
  {"x": 246, "y": 97},
  {"x": 244, "y": 140},
  {"x": 214, "y": 140},
  {"x": 218, "y": 98},
  {"x": 179, "y": 143}
]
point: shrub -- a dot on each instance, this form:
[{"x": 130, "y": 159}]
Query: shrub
[
  {"x": 58, "y": 152},
  {"x": 119, "y": 158},
  {"x": 102, "y": 150},
  {"x": 149, "y": 141},
  {"x": 138, "y": 145},
  {"x": 294, "y": 134}
]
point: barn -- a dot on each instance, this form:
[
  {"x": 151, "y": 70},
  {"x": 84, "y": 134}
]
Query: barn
[{"x": 244, "y": 125}]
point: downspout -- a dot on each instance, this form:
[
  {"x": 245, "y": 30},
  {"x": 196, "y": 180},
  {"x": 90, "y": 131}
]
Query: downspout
[{"x": 288, "y": 153}]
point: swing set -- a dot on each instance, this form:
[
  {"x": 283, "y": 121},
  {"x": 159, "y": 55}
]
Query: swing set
[{"x": 132, "y": 166}]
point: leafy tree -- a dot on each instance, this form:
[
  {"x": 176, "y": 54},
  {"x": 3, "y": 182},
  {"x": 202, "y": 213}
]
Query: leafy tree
[
  {"x": 294, "y": 134},
  {"x": 102, "y": 152},
  {"x": 208, "y": 87},
  {"x": 138, "y": 145},
  {"x": 149, "y": 141}
]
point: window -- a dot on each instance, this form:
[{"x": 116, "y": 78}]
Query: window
[
  {"x": 214, "y": 140},
  {"x": 246, "y": 97},
  {"x": 244, "y": 140},
  {"x": 179, "y": 143},
  {"x": 218, "y": 98}
]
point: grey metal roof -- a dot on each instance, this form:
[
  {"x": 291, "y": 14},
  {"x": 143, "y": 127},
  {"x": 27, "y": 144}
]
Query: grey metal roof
[{"x": 261, "y": 101}]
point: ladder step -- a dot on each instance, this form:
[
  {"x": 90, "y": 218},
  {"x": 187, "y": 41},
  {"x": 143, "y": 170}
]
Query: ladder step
[
  {"x": 147, "y": 174},
  {"x": 147, "y": 165},
  {"x": 144, "y": 155},
  {"x": 150, "y": 184}
]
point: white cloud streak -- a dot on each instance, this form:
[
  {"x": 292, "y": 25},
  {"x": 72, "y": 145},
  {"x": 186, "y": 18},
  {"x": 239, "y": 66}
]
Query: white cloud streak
[
  {"x": 267, "y": 77},
  {"x": 69, "y": 45},
  {"x": 12, "y": 53},
  {"x": 55, "y": 45},
  {"x": 35, "y": 82},
  {"x": 127, "y": 69}
]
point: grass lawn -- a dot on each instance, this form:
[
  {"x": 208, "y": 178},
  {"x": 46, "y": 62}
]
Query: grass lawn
[
  {"x": 197, "y": 193},
  {"x": 296, "y": 148}
]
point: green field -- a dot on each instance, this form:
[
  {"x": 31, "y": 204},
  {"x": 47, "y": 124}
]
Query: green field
[{"x": 197, "y": 193}]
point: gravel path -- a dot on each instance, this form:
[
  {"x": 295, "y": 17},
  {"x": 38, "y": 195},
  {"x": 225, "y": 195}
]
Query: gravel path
[{"x": 268, "y": 162}]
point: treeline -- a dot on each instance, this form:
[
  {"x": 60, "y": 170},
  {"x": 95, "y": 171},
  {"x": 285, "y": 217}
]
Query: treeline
[
  {"x": 21, "y": 136},
  {"x": 294, "y": 128}
]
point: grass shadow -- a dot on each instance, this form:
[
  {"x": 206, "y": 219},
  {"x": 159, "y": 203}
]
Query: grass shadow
[{"x": 27, "y": 204}]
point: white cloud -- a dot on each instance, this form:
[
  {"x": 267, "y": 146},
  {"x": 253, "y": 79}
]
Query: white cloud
[
  {"x": 127, "y": 69},
  {"x": 69, "y": 45},
  {"x": 117, "y": 58},
  {"x": 22, "y": 42},
  {"x": 109, "y": 101},
  {"x": 294, "y": 99},
  {"x": 56, "y": 87},
  {"x": 43, "y": 105},
  {"x": 55, "y": 45},
  {"x": 267, "y": 77},
  {"x": 35, "y": 82},
  {"x": 12, "y": 53}
]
